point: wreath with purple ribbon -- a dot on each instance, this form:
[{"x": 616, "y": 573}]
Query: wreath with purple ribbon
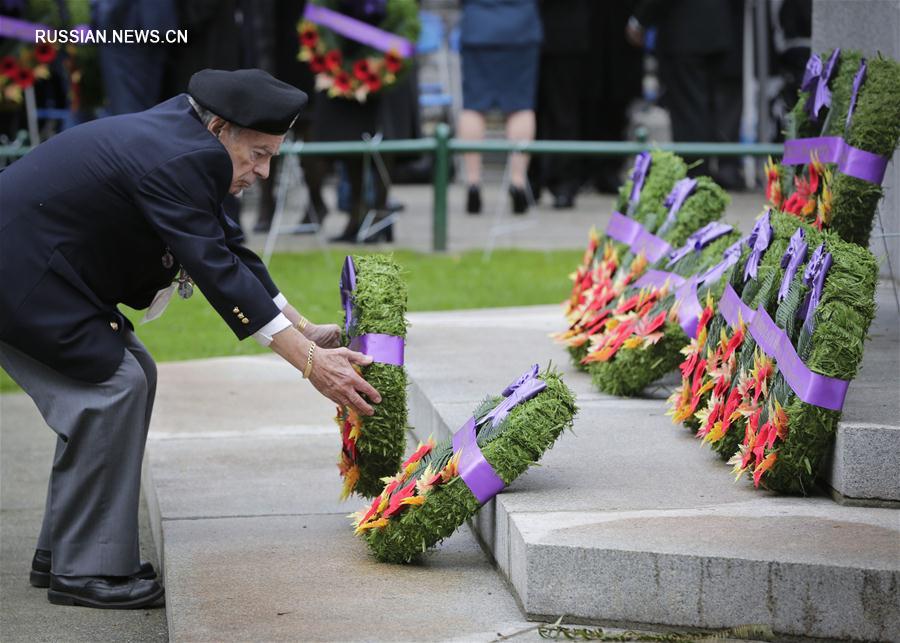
[
  {"x": 765, "y": 380},
  {"x": 358, "y": 47},
  {"x": 442, "y": 485},
  {"x": 373, "y": 295}
]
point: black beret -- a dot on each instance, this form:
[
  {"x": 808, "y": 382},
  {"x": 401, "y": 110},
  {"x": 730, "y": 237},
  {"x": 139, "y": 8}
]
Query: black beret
[{"x": 250, "y": 98}]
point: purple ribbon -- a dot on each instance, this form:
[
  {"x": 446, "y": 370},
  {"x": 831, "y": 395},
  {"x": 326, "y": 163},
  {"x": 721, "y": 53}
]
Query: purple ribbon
[
  {"x": 658, "y": 279},
  {"x": 689, "y": 308},
  {"x": 622, "y": 228},
  {"x": 791, "y": 260},
  {"x": 358, "y": 30},
  {"x": 730, "y": 257},
  {"x": 814, "y": 277},
  {"x": 652, "y": 246},
  {"x": 850, "y": 160},
  {"x": 474, "y": 469},
  {"x": 858, "y": 80},
  {"x": 675, "y": 200},
  {"x": 815, "y": 81},
  {"x": 732, "y": 308},
  {"x": 24, "y": 30},
  {"x": 759, "y": 241},
  {"x": 524, "y": 392},
  {"x": 812, "y": 388},
  {"x": 638, "y": 174},
  {"x": 348, "y": 285},
  {"x": 699, "y": 240},
  {"x": 476, "y": 472},
  {"x": 384, "y": 349},
  {"x": 530, "y": 374}
]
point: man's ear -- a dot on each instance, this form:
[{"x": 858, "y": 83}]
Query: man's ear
[{"x": 216, "y": 125}]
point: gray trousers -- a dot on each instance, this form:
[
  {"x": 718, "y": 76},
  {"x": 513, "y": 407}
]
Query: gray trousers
[{"x": 91, "y": 516}]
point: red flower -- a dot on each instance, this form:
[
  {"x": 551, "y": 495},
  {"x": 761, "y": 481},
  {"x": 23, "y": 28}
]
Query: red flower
[
  {"x": 373, "y": 82},
  {"x": 317, "y": 63},
  {"x": 23, "y": 77},
  {"x": 342, "y": 82},
  {"x": 333, "y": 61},
  {"x": 393, "y": 61},
  {"x": 309, "y": 37},
  {"x": 44, "y": 53},
  {"x": 396, "y": 503},
  {"x": 361, "y": 69},
  {"x": 8, "y": 66}
]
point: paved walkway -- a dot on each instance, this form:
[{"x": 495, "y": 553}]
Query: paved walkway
[{"x": 542, "y": 228}]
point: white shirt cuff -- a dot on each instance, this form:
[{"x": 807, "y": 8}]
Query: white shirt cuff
[
  {"x": 280, "y": 301},
  {"x": 264, "y": 334}
]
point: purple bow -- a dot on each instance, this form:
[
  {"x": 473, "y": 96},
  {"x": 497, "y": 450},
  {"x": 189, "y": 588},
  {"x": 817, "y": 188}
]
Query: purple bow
[
  {"x": 815, "y": 81},
  {"x": 759, "y": 241},
  {"x": 522, "y": 390},
  {"x": 638, "y": 174},
  {"x": 697, "y": 241},
  {"x": 348, "y": 285},
  {"x": 814, "y": 277},
  {"x": 858, "y": 80},
  {"x": 530, "y": 374},
  {"x": 729, "y": 258},
  {"x": 675, "y": 200},
  {"x": 791, "y": 260}
]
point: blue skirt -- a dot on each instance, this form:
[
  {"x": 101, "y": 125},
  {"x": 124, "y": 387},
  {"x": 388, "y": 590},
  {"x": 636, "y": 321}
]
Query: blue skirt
[{"x": 503, "y": 78}]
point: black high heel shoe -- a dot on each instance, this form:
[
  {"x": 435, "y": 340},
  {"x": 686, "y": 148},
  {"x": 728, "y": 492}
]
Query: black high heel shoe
[
  {"x": 385, "y": 235},
  {"x": 519, "y": 199},
  {"x": 347, "y": 236},
  {"x": 473, "y": 200}
]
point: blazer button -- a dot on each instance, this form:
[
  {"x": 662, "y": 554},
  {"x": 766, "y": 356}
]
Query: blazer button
[
  {"x": 236, "y": 310},
  {"x": 245, "y": 321},
  {"x": 114, "y": 326}
]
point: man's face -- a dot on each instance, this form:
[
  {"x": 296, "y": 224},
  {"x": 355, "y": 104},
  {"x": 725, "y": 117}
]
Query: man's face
[{"x": 250, "y": 153}]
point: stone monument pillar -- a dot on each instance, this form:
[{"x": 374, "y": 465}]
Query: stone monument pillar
[{"x": 870, "y": 26}]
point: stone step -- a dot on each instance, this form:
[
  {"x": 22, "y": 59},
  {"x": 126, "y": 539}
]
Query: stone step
[
  {"x": 629, "y": 520},
  {"x": 243, "y": 492}
]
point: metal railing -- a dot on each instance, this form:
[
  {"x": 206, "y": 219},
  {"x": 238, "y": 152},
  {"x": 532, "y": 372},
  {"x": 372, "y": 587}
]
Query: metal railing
[{"x": 442, "y": 146}]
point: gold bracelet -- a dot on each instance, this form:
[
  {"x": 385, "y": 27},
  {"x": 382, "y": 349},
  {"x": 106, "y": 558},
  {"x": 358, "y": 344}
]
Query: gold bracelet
[
  {"x": 309, "y": 360},
  {"x": 302, "y": 324}
]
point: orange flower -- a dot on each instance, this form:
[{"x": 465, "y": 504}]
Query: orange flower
[{"x": 764, "y": 466}]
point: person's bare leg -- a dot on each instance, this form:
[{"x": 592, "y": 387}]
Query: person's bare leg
[
  {"x": 471, "y": 128},
  {"x": 519, "y": 127}
]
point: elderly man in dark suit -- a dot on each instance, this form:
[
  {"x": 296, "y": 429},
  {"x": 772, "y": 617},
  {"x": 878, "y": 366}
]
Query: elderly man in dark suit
[{"x": 127, "y": 210}]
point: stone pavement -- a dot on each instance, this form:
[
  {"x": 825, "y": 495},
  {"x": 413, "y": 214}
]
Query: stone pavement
[
  {"x": 629, "y": 520},
  {"x": 542, "y": 228},
  {"x": 626, "y": 522},
  {"x": 26, "y": 451}
]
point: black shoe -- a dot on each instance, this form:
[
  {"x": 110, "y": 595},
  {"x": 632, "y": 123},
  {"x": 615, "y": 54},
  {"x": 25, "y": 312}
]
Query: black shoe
[
  {"x": 519, "y": 200},
  {"x": 347, "y": 236},
  {"x": 262, "y": 226},
  {"x": 40, "y": 569},
  {"x": 385, "y": 235},
  {"x": 473, "y": 200},
  {"x": 564, "y": 201},
  {"x": 104, "y": 592}
]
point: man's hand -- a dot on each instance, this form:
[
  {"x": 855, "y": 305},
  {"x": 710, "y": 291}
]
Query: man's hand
[
  {"x": 332, "y": 371},
  {"x": 334, "y": 377},
  {"x": 324, "y": 335}
]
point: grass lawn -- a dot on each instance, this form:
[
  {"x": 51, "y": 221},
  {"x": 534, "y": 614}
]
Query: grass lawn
[{"x": 191, "y": 329}]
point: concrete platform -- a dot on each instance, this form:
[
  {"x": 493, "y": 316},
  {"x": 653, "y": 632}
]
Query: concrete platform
[
  {"x": 242, "y": 468},
  {"x": 630, "y": 520}
]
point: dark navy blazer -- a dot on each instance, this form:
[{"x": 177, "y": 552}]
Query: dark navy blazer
[{"x": 85, "y": 220}]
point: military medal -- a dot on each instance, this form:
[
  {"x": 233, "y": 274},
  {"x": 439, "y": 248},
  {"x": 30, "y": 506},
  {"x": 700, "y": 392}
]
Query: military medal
[
  {"x": 168, "y": 260},
  {"x": 185, "y": 285}
]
